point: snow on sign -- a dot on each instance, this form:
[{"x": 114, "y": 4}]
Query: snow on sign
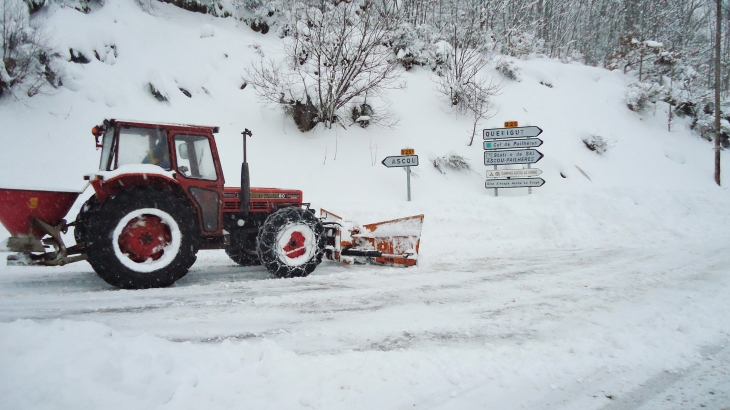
[
  {"x": 513, "y": 173},
  {"x": 507, "y": 144},
  {"x": 401, "y": 161},
  {"x": 519, "y": 156},
  {"x": 514, "y": 183},
  {"x": 516, "y": 132}
]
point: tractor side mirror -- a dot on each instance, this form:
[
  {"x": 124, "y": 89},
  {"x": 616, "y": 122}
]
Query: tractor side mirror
[
  {"x": 182, "y": 151},
  {"x": 98, "y": 131}
]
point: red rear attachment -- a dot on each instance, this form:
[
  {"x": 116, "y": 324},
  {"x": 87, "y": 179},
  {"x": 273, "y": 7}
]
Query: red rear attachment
[
  {"x": 17, "y": 206},
  {"x": 29, "y": 215}
]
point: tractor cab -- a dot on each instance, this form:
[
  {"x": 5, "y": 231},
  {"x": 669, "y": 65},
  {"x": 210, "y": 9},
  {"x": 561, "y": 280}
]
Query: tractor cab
[
  {"x": 187, "y": 150},
  {"x": 179, "y": 159}
]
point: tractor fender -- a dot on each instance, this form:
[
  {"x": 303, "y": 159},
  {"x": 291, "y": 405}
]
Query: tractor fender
[{"x": 108, "y": 185}]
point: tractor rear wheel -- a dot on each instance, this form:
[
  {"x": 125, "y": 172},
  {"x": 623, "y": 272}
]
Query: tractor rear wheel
[
  {"x": 142, "y": 238},
  {"x": 291, "y": 242},
  {"x": 82, "y": 219}
]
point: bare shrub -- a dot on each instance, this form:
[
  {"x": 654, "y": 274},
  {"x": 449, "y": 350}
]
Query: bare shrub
[
  {"x": 26, "y": 63},
  {"x": 597, "y": 144},
  {"x": 640, "y": 96},
  {"x": 418, "y": 45},
  {"x": 508, "y": 70},
  {"x": 454, "y": 162},
  {"x": 361, "y": 114},
  {"x": 335, "y": 53},
  {"x": 467, "y": 90}
]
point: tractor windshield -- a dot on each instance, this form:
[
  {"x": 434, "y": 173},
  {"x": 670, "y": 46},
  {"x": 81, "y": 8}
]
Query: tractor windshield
[
  {"x": 135, "y": 145},
  {"x": 143, "y": 146}
]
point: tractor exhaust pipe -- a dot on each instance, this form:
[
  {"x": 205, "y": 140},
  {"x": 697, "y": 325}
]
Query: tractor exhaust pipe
[{"x": 245, "y": 178}]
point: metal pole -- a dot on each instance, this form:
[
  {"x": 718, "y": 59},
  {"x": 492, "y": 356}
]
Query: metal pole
[
  {"x": 495, "y": 189},
  {"x": 718, "y": 67},
  {"x": 245, "y": 193},
  {"x": 529, "y": 189},
  {"x": 408, "y": 177}
]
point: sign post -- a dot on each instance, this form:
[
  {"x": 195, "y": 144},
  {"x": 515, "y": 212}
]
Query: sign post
[
  {"x": 408, "y": 151},
  {"x": 516, "y": 132},
  {"x": 514, "y": 183},
  {"x": 512, "y": 157},
  {"x": 407, "y": 159},
  {"x": 492, "y": 145},
  {"x": 513, "y": 173},
  {"x": 500, "y": 149}
]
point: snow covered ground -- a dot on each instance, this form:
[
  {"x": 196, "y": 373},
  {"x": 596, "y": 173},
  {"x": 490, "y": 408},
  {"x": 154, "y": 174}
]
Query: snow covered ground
[
  {"x": 605, "y": 288},
  {"x": 576, "y": 329}
]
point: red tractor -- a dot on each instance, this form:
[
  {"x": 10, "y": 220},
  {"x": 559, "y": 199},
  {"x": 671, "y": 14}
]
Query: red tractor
[{"x": 159, "y": 197}]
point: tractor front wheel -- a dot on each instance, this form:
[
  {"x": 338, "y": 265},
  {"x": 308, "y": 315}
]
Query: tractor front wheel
[
  {"x": 142, "y": 238},
  {"x": 291, "y": 242},
  {"x": 242, "y": 250}
]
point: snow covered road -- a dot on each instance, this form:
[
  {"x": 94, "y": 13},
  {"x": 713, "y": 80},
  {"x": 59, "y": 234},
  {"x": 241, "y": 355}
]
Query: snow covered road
[{"x": 586, "y": 328}]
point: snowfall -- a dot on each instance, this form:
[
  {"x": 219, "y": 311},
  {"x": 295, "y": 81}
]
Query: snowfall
[{"x": 606, "y": 288}]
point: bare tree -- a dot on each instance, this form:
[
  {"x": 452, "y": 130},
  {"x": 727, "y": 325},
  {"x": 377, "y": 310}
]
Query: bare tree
[
  {"x": 26, "y": 54},
  {"x": 335, "y": 55},
  {"x": 463, "y": 84}
]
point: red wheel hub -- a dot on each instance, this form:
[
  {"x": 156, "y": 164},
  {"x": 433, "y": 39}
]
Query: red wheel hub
[
  {"x": 295, "y": 247},
  {"x": 144, "y": 238}
]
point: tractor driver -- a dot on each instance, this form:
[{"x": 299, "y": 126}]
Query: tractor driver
[{"x": 158, "y": 154}]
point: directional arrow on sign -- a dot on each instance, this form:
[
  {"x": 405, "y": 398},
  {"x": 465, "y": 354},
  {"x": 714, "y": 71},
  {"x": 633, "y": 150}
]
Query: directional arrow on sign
[
  {"x": 513, "y": 173},
  {"x": 515, "y": 183},
  {"x": 507, "y": 144},
  {"x": 518, "y": 156},
  {"x": 516, "y": 132},
  {"x": 401, "y": 161}
]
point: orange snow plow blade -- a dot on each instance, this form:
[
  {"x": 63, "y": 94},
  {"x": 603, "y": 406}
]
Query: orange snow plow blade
[
  {"x": 398, "y": 239},
  {"x": 394, "y": 242}
]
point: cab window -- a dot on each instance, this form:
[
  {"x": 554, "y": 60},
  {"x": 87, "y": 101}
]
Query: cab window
[
  {"x": 195, "y": 157},
  {"x": 107, "y": 151}
]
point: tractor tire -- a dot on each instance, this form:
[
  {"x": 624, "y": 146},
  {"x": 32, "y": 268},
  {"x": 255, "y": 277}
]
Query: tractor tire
[
  {"x": 242, "y": 254},
  {"x": 242, "y": 257},
  {"x": 82, "y": 219},
  {"x": 291, "y": 243},
  {"x": 142, "y": 238}
]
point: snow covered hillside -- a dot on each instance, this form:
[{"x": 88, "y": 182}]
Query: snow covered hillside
[{"x": 579, "y": 295}]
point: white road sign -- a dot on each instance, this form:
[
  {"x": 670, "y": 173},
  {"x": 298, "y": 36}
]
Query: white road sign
[
  {"x": 508, "y": 144},
  {"x": 514, "y": 183},
  {"x": 401, "y": 161},
  {"x": 513, "y": 173},
  {"x": 519, "y": 156},
  {"x": 516, "y": 132}
]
